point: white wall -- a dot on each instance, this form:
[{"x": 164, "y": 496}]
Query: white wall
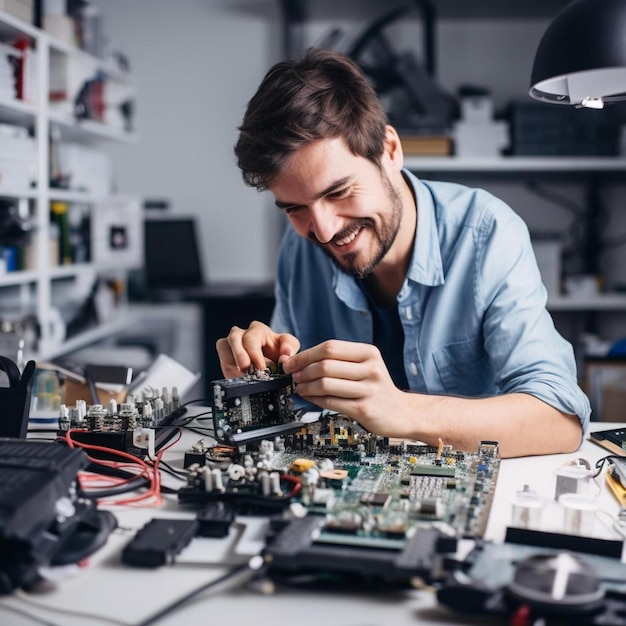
[{"x": 197, "y": 63}]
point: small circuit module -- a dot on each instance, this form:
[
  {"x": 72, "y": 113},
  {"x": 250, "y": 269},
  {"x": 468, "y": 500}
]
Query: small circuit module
[{"x": 252, "y": 407}]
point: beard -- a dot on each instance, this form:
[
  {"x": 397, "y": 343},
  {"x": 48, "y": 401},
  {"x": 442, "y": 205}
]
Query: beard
[{"x": 384, "y": 236}]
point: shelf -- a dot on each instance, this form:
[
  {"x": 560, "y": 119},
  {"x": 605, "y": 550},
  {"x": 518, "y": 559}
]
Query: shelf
[
  {"x": 601, "y": 302},
  {"x": 62, "y": 195},
  {"x": 70, "y": 271},
  {"x": 13, "y": 111},
  {"x": 81, "y": 130},
  {"x": 102, "y": 65},
  {"x": 446, "y": 9},
  {"x": 34, "y": 291},
  {"x": 12, "y": 27},
  {"x": 123, "y": 319},
  {"x": 15, "y": 192},
  {"x": 70, "y": 195},
  {"x": 18, "y": 278},
  {"x": 25, "y": 277},
  {"x": 495, "y": 165}
]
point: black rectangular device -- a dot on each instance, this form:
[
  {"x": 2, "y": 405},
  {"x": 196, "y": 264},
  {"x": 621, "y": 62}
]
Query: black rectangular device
[
  {"x": 613, "y": 439},
  {"x": 36, "y": 478},
  {"x": 172, "y": 255}
]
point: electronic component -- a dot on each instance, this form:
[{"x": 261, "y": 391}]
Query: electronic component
[
  {"x": 369, "y": 506},
  {"x": 573, "y": 477},
  {"x": 297, "y": 550},
  {"x": 558, "y": 577},
  {"x": 43, "y": 521},
  {"x": 613, "y": 440},
  {"x": 137, "y": 427},
  {"x": 215, "y": 519},
  {"x": 526, "y": 508},
  {"x": 253, "y": 407},
  {"x": 159, "y": 541},
  {"x": 369, "y": 479},
  {"x": 614, "y": 482}
]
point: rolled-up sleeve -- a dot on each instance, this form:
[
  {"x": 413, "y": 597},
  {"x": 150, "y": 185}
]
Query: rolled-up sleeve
[{"x": 527, "y": 353}]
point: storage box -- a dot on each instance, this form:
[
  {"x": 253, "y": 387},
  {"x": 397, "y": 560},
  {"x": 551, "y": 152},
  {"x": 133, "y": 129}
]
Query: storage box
[
  {"x": 18, "y": 161},
  {"x": 73, "y": 387},
  {"x": 78, "y": 390},
  {"x": 18, "y": 8},
  {"x": 605, "y": 384}
]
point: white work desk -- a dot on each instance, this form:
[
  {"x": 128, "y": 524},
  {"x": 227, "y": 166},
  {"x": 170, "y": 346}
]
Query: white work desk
[{"x": 124, "y": 595}]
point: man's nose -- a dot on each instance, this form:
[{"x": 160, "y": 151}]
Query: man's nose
[{"x": 324, "y": 222}]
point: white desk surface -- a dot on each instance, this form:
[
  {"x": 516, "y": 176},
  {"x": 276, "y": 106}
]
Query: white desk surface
[{"x": 108, "y": 592}]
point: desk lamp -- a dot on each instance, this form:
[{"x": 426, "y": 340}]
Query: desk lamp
[{"x": 581, "y": 58}]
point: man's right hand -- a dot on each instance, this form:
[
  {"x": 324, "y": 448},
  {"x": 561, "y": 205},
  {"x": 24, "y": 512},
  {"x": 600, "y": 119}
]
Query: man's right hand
[{"x": 256, "y": 346}]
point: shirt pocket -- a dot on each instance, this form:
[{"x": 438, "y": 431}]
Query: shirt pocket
[{"x": 464, "y": 368}]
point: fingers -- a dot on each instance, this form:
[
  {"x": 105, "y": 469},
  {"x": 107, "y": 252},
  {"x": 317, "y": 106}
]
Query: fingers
[
  {"x": 332, "y": 351},
  {"x": 337, "y": 369},
  {"x": 255, "y": 347},
  {"x": 228, "y": 364}
]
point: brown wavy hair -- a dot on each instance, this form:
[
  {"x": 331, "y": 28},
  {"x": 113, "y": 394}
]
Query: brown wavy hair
[{"x": 322, "y": 95}]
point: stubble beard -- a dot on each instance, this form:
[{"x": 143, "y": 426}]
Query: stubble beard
[{"x": 384, "y": 236}]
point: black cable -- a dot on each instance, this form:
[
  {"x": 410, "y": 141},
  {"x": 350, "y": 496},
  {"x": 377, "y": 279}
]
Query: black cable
[
  {"x": 172, "y": 471},
  {"x": 206, "y": 587},
  {"x": 601, "y": 462},
  {"x": 138, "y": 483},
  {"x": 194, "y": 401},
  {"x": 208, "y": 414},
  {"x": 209, "y": 432},
  {"x": 88, "y": 535}
]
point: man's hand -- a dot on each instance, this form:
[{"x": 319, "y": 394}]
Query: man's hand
[
  {"x": 256, "y": 346},
  {"x": 350, "y": 378}
]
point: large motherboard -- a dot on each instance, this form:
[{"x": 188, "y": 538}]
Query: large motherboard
[
  {"x": 364, "y": 484},
  {"x": 346, "y": 500}
]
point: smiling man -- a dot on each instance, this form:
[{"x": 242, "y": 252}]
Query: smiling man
[{"x": 414, "y": 307}]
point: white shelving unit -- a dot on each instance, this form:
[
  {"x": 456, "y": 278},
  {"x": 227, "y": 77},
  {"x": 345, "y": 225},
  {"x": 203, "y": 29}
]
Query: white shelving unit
[
  {"x": 511, "y": 165},
  {"x": 43, "y": 289},
  {"x": 579, "y": 167}
]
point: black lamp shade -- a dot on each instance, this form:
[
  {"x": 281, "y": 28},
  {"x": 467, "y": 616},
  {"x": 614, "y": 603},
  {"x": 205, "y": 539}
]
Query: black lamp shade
[{"x": 582, "y": 54}]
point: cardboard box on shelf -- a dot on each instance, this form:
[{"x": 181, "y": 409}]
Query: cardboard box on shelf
[
  {"x": 605, "y": 384},
  {"x": 73, "y": 386},
  {"x": 76, "y": 390},
  {"x": 18, "y": 8},
  {"x": 164, "y": 372}
]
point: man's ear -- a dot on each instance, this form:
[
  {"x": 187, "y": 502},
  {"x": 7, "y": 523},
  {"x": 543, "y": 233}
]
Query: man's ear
[{"x": 393, "y": 156}]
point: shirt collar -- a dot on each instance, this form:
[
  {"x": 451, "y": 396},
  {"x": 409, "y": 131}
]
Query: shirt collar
[{"x": 426, "y": 266}]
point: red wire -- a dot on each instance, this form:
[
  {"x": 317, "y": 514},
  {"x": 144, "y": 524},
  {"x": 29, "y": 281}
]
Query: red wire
[{"x": 151, "y": 474}]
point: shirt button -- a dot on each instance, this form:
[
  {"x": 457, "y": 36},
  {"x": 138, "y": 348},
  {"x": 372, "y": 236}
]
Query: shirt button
[
  {"x": 413, "y": 368},
  {"x": 365, "y": 314}
]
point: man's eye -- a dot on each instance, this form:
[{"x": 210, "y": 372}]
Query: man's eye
[
  {"x": 342, "y": 193},
  {"x": 290, "y": 210}
]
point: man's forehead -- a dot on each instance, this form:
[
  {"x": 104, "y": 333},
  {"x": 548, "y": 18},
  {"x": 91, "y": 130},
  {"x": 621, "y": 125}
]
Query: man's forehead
[{"x": 315, "y": 168}]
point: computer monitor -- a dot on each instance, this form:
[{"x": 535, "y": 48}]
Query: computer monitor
[{"x": 172, "y": 257}]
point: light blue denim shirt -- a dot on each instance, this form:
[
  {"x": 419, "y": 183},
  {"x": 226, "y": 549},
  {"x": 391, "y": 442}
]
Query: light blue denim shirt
[{"x": 473, "y": 307}]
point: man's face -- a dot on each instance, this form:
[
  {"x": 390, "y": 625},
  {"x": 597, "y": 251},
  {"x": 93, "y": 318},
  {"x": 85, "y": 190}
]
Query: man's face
[{"x": 342, "y": 202}]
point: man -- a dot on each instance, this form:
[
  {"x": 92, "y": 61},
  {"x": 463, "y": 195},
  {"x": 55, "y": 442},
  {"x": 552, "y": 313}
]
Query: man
[{"x": 416, "y": 308}]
